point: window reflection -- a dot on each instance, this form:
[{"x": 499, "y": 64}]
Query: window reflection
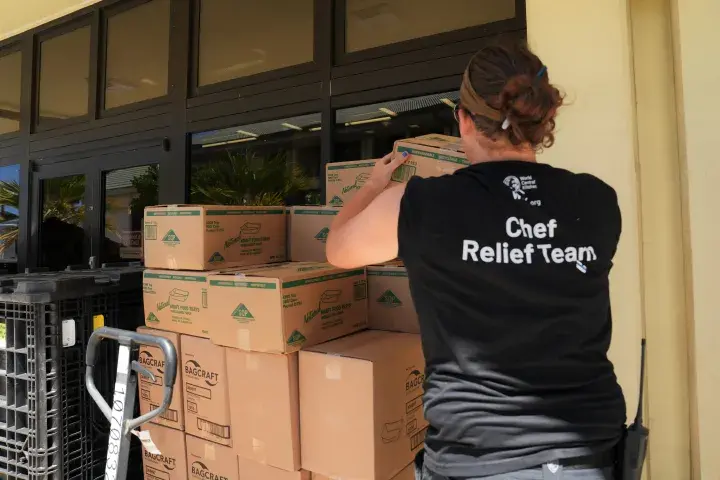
[
  {"x": 137, "y": 54},
  {"x": 10, "y": 70},
  {"x": 9, "y": 216},
  {"x": 64, "y": 73},
  {"x": 369, "y": 131},
  {"x": 127, "y": 193},
  {"x": 62, "y": 237},
  {"x": 373, "y": 23},
  {"x": 268, "y": 163},
  {"x": 239, "y": 38}
]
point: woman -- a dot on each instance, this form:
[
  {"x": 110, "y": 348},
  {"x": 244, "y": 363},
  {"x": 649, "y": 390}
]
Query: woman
[{"x": 508, "y": 261}]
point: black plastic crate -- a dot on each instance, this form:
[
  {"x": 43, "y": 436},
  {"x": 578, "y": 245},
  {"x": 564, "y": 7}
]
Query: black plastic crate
[{"x": 49, "y": 426}]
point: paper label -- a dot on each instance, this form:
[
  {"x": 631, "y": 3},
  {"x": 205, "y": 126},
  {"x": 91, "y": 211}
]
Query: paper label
[{"x": 147, "y": 442}]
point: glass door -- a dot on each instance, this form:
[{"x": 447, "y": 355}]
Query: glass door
[
  {"x": 127, "y": 182},
  {"x": 127, "y": 191},
  {"x": 61, "y": 223}
]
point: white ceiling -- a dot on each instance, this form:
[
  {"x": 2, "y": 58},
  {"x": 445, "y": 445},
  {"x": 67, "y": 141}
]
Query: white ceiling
[{"x": 19, "y": 16}]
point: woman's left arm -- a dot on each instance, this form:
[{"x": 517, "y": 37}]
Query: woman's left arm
[{"x": 365, "y": 230}]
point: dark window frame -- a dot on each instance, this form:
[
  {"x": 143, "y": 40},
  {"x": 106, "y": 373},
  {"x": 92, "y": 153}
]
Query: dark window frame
[
  {"x": 479, "y": 31},
  {"x": 197, "y": 90},
  {"x": 100, "y": 140},
  {"x": 88, "y": 20},
  {"x": 10, "y": 48},
  {"x": 105, "y": 15}
]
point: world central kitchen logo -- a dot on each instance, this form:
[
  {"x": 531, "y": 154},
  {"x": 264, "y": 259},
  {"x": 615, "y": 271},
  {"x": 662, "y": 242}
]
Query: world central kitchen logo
[
  {"x": 175, "y": 294},
  {"x": 200, "y": 470},
  {"x": 194, "y": 369},
  {"x": 167, "y": 462},
  {"x": 329, "y": 297},
  {"x": 146, "y": 359},
  {"x": 248, "y": 228},
  {"x": 358, "y": 184}
]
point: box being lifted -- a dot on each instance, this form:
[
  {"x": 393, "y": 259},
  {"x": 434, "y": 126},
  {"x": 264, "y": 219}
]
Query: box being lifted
[
  {"x": 204, "y": 237},
  {"x": 432, "y": 155},
  {"x": 281, "y": 308}
]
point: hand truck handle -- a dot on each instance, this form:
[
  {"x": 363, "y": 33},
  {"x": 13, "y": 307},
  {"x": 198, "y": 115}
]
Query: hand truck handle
[{"x": 128, "y": 338}]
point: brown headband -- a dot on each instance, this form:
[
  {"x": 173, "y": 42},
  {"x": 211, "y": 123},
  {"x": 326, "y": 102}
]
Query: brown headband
[{"x": 473, "y": 102}]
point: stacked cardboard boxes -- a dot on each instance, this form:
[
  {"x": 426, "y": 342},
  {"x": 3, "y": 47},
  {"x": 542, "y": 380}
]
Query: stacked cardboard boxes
[{"x": 279, "y": 375}]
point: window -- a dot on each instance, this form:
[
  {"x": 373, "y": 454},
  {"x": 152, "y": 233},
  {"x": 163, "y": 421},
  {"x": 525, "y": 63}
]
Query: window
[
  {"x": 268, "y": 163},
  {"x": 64, "y": 74},
  {"x": 370, "y": 131},
  {"x": 127, "y": 193},
  {"x": 9, "y": 216},
  {"x": 138, "y": 49},
  {"x": 373, "y": 23},
  {"x": 10, "y": 69},
  {"x": 239, "y": 38},
  {"x": 62, "y": 234}
]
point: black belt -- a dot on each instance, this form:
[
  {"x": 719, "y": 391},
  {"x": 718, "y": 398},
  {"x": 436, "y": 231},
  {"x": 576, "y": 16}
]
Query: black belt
[{"x": 596, "y": 460}]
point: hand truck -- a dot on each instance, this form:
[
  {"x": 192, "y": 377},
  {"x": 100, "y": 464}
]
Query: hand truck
[{"x": 122, "y": 425}]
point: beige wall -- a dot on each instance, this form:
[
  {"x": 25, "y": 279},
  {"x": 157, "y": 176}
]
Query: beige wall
[
  {"x": 22, "y": 15},
  {"x": 644, "y": 97},
  {"x": 586, "y": 46},
  {"x": 697, "y": 74},
  {"x": 662, "y": 241}
]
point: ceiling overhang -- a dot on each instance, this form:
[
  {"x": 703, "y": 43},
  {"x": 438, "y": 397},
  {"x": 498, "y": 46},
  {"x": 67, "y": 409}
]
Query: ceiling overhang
[{"x": 20, "y": 16}]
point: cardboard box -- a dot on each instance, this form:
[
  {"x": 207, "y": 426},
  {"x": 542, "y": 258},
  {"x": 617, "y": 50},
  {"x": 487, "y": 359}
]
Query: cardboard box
[
  {"x": 152, "y": 393},
  {"x": 208, "y": 461},
  {"x": 250, "y": 470},
  {"x": 264, "y": 410},
  {"x": 176, "y": 301},
  {"x": 204, "y": 379},
  {"x": 308, "y": 232},
  {"x": 198, "y": 237},
  {"x": 390, "y": 305},
  {"x": 433, "y": 155},
  {"x": 171, "y": 464},
  {"x": 361, "y": 405},
  {"x": 345, "y": 179},
  {"x": 280, "y": 309},
  {"x": 408, "y": 473}
]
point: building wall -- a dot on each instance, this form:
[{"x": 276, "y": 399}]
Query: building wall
[
  {"x": 642, "y": 100},
  {"x": 586, "y": 46},
  {"x": 697, "y": 75}
]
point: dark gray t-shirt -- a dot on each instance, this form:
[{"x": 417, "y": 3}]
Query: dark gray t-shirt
[{"x": 508, "y": 265}]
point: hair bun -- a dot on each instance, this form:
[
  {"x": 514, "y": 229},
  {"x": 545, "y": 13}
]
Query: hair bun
[{"x": 530, "y": 104}]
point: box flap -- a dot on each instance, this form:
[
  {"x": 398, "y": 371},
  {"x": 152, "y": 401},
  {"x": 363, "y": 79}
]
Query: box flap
[
  {"x": 369, "y": 345},
  {"x": 438, "y": 141},
  {"x": 352, "y": 164},
  {"x": 285, "y": 271},
  {"x": 180, "y": 275},
  {"x": 314, "y": 210}
]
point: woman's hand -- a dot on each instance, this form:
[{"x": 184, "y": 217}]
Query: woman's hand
[{"x": 384, "y": 168}]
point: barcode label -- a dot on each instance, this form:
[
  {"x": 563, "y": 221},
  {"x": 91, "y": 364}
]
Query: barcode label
[
  {"x": 221, "y": 431},
  {"x": 360, "y": 290},
  {"x": 418, "y": 439},
  {"x": 151, "y": 231},
  {"x": 403, "y": 173},
  {"x": 169, "y": 415}
]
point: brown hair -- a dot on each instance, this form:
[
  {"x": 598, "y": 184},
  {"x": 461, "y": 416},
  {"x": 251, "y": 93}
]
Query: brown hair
[{"x": 514, "y": 86}]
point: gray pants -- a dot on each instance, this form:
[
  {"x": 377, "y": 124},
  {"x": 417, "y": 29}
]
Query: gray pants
[{"x": 549, "y": 471}]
